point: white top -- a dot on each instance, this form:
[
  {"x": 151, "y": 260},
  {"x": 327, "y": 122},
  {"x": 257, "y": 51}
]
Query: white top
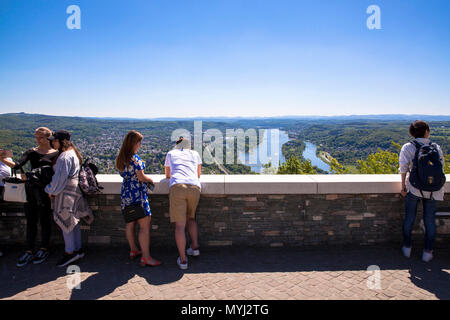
[
  {"x": 5, "y": 172},
  {"x": 183, "y": 165},
  {"x": 67, "y": 166},
  {"x": 406, "y": 157}
]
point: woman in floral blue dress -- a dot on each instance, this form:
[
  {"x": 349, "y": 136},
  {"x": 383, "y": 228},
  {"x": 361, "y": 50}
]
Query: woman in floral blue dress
[{"x": 134, "y": 190}]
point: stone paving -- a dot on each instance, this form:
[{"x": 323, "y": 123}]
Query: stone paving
[{"x": 235, "y": 273}]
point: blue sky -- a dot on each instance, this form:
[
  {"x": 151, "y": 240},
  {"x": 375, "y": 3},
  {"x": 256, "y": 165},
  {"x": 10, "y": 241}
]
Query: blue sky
[{"x": 185, "y": 58}]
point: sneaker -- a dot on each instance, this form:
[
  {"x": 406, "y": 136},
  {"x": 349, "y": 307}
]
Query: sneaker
[
  {"x": 79, "y": 253},
  {"x": 192, "y": 252},
  {"x": 67, "y": 258},
  {"x": 40, "y": 256},
  {"x": 427, "y": 256},
  {"x": 183, "y": 266},
  {"x": 406, "y": 252},
  {"x": 24, "y": 259}
]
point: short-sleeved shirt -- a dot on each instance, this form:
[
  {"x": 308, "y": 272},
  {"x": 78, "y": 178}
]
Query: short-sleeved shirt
[
  {"x": 183, "y": 165},
  {"x": 134, "y": 191}
]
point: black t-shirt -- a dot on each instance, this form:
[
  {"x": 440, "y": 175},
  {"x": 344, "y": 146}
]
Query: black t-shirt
[{"x": 36, "y": 159}]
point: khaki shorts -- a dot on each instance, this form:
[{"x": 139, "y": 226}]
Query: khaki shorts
[{"x": 183, "y": 200}]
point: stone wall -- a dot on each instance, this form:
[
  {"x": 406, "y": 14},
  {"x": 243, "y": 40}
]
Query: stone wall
[{"x": 277, "y": 218}]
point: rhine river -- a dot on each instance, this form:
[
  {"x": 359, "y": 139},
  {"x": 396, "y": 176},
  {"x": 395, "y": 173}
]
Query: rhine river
[{"x": 263, "y": 152}]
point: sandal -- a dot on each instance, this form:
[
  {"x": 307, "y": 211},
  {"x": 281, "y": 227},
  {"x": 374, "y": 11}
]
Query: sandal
[
  {"x": 146, "y": 262},
  {"x": 134, "y": 254}
]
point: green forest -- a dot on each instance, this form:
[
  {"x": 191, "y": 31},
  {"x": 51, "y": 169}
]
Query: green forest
[{"x": 353, "y": 146}]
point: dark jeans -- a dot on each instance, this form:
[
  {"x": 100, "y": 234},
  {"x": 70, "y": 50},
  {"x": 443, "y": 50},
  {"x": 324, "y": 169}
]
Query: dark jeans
[
  {"x": 429, "y": 214},
  {"x": 38, "y": 209},
  {"x": 2, "y": 192}
]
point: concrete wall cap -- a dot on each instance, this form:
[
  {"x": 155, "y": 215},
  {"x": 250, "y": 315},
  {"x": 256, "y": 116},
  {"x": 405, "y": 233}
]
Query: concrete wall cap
[{"x": 278, "y": 184}]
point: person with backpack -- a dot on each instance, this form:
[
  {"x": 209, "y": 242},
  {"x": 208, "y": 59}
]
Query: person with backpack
[
  {"x": 134, "y": 198},
  {"x": 421, "y": 164},
  {"x": 69, "y": 204},
  {"x": 38, "y": 206}
]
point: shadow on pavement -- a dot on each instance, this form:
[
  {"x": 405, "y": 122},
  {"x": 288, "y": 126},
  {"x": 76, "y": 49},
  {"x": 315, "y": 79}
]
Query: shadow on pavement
[
  {"x": 113, "y": 269},
  {"x": 433, "y": 279}
]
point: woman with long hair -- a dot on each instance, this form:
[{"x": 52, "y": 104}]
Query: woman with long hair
[
  {"x": 70, "y": 205},
  {"x": 38, "y": 206},
  {"x": 134, "y": 191}
]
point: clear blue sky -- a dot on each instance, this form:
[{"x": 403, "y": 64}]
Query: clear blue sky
[{"x": 157, "y": 58}]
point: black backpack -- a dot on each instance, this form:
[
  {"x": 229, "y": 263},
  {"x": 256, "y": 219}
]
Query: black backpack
[
  {"x": 427, "y": 173},
  {"x": 87, "y": 179}
]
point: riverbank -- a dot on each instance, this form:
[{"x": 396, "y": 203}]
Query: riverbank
[{"x": 324, "y": 156}]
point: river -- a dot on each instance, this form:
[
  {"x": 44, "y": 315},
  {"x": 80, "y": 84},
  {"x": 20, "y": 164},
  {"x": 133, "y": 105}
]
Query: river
[
  {"x": 263, "y": 152},
  {"x": 310, "y": 153}
]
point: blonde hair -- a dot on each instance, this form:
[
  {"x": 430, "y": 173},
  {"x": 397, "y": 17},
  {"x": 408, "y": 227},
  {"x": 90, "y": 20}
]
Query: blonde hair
[{"x": 44, "y": 131}]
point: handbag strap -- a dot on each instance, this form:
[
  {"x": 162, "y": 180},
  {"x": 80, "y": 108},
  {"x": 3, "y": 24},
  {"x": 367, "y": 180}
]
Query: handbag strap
[{"x": 14, "y": 171}]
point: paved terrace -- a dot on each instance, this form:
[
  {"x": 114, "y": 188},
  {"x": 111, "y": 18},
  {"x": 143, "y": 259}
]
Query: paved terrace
[
  {"x": 235, "y": 273},
  {"x": 309, "y": 237}
]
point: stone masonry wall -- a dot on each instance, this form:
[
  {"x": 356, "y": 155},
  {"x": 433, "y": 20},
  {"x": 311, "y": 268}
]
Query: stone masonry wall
[{"x": 253, "y": 220}]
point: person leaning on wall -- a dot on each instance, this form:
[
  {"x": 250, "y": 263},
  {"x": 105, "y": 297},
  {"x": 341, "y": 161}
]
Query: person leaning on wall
[
  {"x": 38, "y": 205},
  {"x": 420, "y": 130},
  {"x": 183, "y": 167},
  {"x": 69, "y": 204}
]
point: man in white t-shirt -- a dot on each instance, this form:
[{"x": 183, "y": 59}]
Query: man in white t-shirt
[{"x": 183, "y": 167}]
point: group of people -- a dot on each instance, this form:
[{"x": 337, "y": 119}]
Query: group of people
[
  {"x": 55, "y": 151},
  {"x": 183, "y": 167}
]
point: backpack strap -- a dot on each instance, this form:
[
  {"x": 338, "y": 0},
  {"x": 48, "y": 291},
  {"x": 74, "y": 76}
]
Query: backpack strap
[
  {"x": 421, "y": 193},
  {"x": 417, "y": 144}
]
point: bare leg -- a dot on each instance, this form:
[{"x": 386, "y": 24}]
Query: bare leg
[
  {"x": 193, "y": 233},
  {"x": 130, "y": 233},
  {"x": 180, "y": 239},
  {"x": 144, "y": 236},
  {"x": 144, "y": 240}
]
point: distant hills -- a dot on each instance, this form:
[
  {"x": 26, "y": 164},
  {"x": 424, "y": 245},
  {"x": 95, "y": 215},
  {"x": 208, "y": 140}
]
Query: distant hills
[{"x": 381, "y": 117}]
